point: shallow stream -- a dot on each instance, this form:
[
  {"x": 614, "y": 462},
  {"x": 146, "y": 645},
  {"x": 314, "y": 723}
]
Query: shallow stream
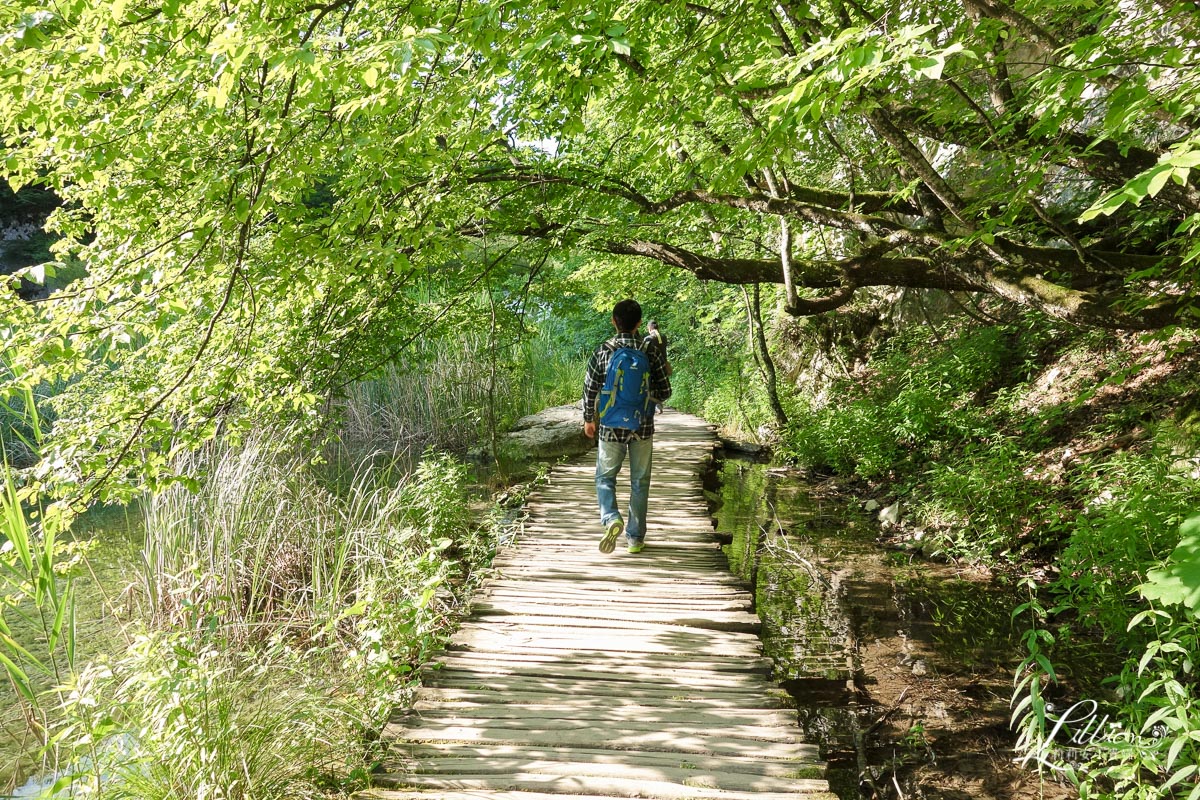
[{"x": 901, "y": 669}]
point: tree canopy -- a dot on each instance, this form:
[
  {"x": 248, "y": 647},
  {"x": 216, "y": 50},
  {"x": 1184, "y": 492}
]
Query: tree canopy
[{"x": 262, "y": 193}]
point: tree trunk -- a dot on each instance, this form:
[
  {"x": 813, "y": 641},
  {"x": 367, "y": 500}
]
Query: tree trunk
[{"x": 763, "y": 356}]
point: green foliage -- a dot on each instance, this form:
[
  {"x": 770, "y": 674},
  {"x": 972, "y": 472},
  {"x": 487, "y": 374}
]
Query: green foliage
[
  {"x": 21, "y": 426},
  {"x": 552, "y": 372},
  {"x": 258, "y": 541},
  {"x": 922, "y": 400},
  {"x": 984, "y": 503},
  {"x": 285, "y": 622},
  {"x": 1002, "y": 457},
  {"x": 175, "y": 717},
  {"x": 1178, "y": 582},
  {"x": 37, "y": 608},
  {"x": 1152, "y": 744},
  {"x": 1160, "y": 713},
  {"x": 451, "y": 391},
  {"x": 276, "y": 209},
  {"x": 273, "y": 201},
  {"x": 1133, "y": 505}
]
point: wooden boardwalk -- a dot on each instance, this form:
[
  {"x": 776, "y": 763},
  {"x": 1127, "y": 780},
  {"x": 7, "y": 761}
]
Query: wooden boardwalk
[{"x": 604, "y": 676}]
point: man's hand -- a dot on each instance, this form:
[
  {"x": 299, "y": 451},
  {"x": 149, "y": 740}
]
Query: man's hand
[{"x": 589, "y": 430}]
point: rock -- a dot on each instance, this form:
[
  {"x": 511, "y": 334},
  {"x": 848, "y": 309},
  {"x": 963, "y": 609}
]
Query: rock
[
  {"x": 919, "y": 669},
  {"x": 550, "y": 433},
  {"x": 871, "y": 505},
  {"x": 1189, "y": 467},
  {"x": 745, "y": 448},
  {"x": 891, "y": 514}
]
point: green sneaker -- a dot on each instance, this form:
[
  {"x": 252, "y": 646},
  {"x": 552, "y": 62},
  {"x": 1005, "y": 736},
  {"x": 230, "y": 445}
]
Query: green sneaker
[
  {"x": 637, "y": 547},
  {"x": 614, "y": 529}
]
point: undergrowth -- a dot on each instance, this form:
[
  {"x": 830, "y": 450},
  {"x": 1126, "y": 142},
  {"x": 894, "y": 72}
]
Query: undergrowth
[
  {"x": 273, "y": 624},
  {"x": 1070, "y": 456}
]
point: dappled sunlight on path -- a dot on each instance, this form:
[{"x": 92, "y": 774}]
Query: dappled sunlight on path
[{"x": 579, "y": 673}]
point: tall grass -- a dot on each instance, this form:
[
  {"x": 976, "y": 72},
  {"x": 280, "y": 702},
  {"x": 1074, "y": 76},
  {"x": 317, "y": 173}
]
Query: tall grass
[
  {"x": 282, "y": 622},
  {"x": 259, "y": 541},
  {"x": 451, "y": 392},
  {"x": 276, "y": 619},
  {"x": 555, "y": 373},
  {"x": 173, "y": 717},
  {"x": 37, "y": 617}
]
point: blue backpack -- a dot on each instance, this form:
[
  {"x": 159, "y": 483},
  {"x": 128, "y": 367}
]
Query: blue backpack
[{"x": 625, "y": 398}]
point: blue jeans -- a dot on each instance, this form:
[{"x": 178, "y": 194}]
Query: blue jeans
[{"x": 608, "y": 464}]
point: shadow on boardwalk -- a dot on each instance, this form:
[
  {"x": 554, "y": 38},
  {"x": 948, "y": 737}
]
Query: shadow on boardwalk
[{"x": 607, "y": 676}]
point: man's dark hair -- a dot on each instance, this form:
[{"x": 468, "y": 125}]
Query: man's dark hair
[{"x": 627, "y": 314}]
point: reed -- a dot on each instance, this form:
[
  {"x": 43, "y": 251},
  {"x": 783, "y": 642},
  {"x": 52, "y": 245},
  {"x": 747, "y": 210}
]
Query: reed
[
  {"x": 170, "y": 718},
  {"x": 259, "y": 542},
  {"x": 283, "y": 621},
  {"x": 441, "y": 395},
  {"x": 37, "y": 618},
  {"x": 451, "y": 393}
]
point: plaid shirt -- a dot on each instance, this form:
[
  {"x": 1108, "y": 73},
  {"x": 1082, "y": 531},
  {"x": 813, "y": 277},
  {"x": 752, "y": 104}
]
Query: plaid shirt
[{"x": 593, "y": 382}]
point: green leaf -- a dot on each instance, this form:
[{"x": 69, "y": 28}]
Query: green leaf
[
  {"x": 1186, "y": 160},
  {"x": 1185, "y": 772},
  {"x": 1178, "y": 581},
  {"x": 929, "y": 66},
  {"x": 1106, "y": 205},
  {"x": 1173, "y": 753},
  {"x": 1158, "y": 181},
  {"x": 18, "y": 678},
  {"x": 371, "y": 77}
]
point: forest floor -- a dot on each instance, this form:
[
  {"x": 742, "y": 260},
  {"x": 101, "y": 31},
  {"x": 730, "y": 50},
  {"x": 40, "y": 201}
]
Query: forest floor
[{"x": 945, "y": 734}]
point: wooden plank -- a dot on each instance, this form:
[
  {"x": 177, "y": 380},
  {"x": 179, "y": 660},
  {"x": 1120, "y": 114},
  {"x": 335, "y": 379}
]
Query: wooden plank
[
  {"x": 679, "y": 740},
  {"x": 596, "y": 622},
  {"x": 601, "y": 690},
  {"x": 581, "y": 588},
  {"x": 659, "y": 729},
  {"x": 644, "y": 662},
  {"x": 599, "y": 676},
  {"x": 691, "y": 786},
  {"x": 408, "y": 757},
  {"x": 411, "y": 758},
  {"x": 553, "y": 792},
  {"x": 622, "y": 574},
  {"x": 676, "y": 643},
  {"x": 443, "y": 713},
  {"x": 699, "y": 591},
  {"x": 583, "y": 564},
  {"x": 772, "y": 698},
  {"x": 644, "y": 600},
  {"x": 548, "y": 614},
  {"x": 708, "y": 775},
  {"x": 411, "y": 794}
]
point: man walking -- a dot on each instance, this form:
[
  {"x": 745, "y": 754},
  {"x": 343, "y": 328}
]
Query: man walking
[{"x": 618, "y": 389}]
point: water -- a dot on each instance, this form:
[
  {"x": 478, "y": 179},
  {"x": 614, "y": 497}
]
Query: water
[
  {"x": 106, "y": 543},
  {"x": 875, "y": 648}
]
